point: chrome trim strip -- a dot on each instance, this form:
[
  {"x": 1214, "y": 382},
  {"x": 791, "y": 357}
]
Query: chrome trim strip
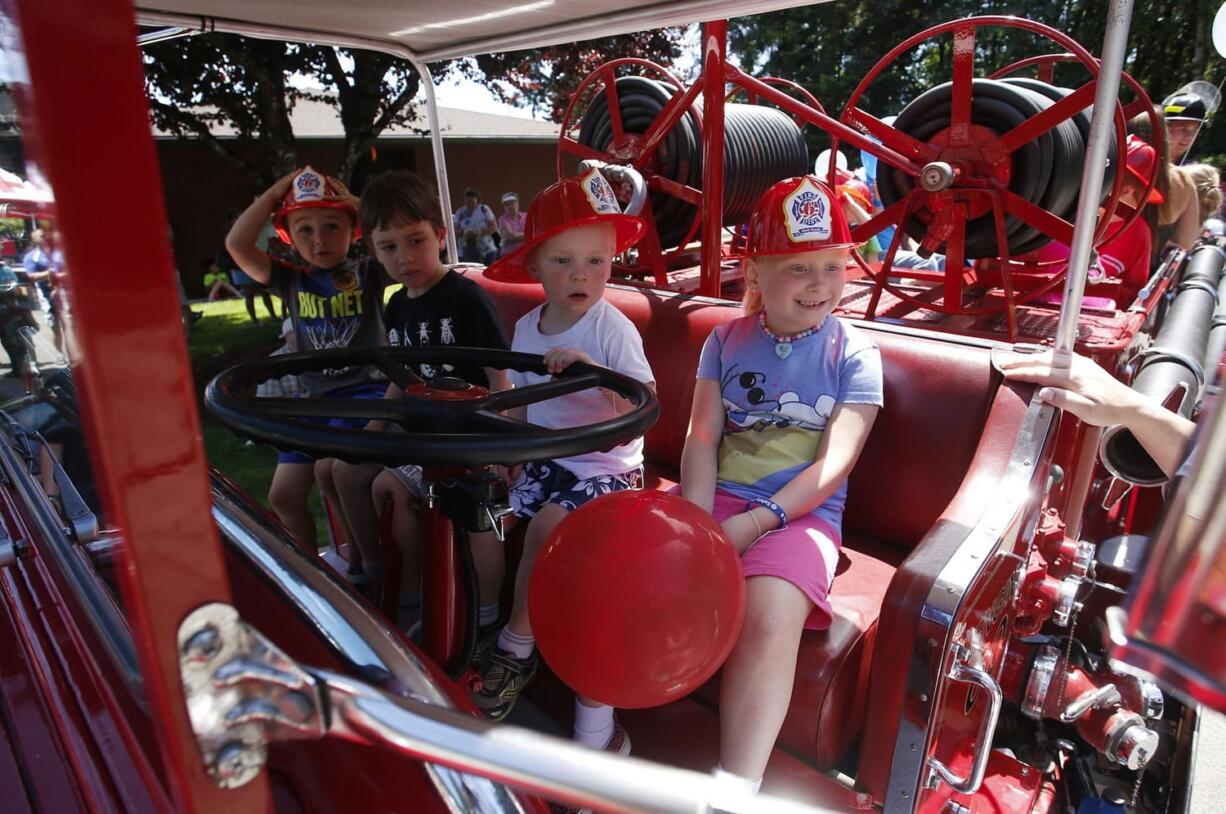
[
  {"x": 929, "y": 660},
  {"x": 358, "y": 636},
  {"x": 101, "y": 611}
]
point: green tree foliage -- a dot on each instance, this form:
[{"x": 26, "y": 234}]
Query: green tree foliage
[
  {"x": 200, "y": 83},
  {"x": 830, "y": 47}
]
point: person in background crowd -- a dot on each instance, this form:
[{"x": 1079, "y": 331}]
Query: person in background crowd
[
  {"x": 510, "y": 224},
  {"x": 217, "y": 283},
  {"x": 1175, "y": 220},
  {"x": 1186, "y": 114},
  {"x": 37, "y": 263},
  {"x": 475, "y": 226},
  {"x": 1207, "y": 181}
]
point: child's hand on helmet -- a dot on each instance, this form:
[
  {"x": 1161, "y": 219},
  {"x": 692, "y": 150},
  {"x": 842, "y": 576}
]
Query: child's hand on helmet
[
  {"x": 558, "y": 359},
  {"x": 341, "y": 192},
  {"x": 279, "y": 188}
]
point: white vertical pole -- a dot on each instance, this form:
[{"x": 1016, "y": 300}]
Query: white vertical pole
[
  {"x": 440, "y": 162},
  {"x": 1119, "y": 13}
]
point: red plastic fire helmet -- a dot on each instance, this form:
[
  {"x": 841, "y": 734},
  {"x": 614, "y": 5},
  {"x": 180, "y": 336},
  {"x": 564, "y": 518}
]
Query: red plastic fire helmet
[
  {"x": 311, "y": 189},
  {"x": 797, "y": 215},
  {"x": 1140, "y": 165},
  {"x": 570, "y": 203},
  {"x": 636, "y": 599}
]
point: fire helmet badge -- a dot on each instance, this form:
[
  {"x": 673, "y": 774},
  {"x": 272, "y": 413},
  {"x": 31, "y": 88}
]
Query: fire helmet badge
[
  {"x": 600, "y": 194},
  {"x": 806, "y": 213},
  {"x": 308, "y": 186}
]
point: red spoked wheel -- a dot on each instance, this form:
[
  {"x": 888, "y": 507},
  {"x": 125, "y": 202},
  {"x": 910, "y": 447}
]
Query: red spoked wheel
[
  {"x": 974, "y": 176},
  {"x": 1045, "y": 64},
  {"x": 644, "y": 143}
]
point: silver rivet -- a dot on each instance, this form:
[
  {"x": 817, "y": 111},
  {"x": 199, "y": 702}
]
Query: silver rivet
[{"x": 231, "y": 763}]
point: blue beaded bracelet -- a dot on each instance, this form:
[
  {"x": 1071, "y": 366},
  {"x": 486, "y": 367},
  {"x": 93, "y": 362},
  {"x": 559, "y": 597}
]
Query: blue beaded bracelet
[{"x": 773, "y": 506}]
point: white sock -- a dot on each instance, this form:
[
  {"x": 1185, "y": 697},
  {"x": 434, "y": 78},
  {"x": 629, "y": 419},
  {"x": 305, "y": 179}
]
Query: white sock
[
  {"x": 520, "y": 647},
  {"x": 488, "y": 614},
  {"x": 593, "y": 725},
  {"x": 724, "y": 776}
]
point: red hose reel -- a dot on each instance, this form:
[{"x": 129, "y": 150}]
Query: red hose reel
[{"x": 959, "y": 175}]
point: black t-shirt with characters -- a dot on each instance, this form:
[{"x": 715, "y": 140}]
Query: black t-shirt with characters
[
  {"x": 455, "y": 311},
  {"x": 333, "y": 308}
]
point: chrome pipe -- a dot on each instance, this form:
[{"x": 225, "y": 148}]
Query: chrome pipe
[
  {"x": 361, "y": 638},
  {"x": 1106, "y": 94},
  {"x": 541, "y": 764}
]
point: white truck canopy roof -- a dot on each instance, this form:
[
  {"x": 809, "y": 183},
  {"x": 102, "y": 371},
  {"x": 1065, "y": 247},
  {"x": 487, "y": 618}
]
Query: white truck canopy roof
[{"x": 430, "y": 30}]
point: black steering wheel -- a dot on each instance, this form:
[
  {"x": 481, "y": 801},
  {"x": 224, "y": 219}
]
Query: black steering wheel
[{"x": 445, "y": 421}]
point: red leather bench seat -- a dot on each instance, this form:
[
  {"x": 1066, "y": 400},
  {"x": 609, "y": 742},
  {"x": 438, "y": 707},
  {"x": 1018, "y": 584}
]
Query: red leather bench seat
[{"x": 938, "y": 395}]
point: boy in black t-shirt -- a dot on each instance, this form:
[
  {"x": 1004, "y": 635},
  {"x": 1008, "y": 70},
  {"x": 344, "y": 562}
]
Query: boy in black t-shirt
[
  {"x": 334, "y": 302},
  {"x": 437, "y": 306}
]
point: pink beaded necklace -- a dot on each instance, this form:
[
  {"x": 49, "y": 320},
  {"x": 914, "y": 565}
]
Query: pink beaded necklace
[{"x": 783, "y": 344}]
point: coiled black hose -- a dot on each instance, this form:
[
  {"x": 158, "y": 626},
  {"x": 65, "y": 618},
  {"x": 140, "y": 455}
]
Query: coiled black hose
[
  {"x": 761, "y": 146},
  {"x": 1046, "y": 171}
]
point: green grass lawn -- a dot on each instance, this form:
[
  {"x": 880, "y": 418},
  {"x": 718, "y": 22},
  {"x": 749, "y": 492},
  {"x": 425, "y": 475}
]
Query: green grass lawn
[{"x": 226, "y": 328}]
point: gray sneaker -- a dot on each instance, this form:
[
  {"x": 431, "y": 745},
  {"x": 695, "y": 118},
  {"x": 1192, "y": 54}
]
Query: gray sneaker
[{"x": 503, "y": 678}]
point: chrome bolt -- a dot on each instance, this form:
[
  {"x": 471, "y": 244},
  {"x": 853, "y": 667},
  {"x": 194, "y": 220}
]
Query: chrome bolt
[
  {"x": 231, "y": 766},
  {"x": 936, "y": 176},
  {"x": 204, "y": 645}
]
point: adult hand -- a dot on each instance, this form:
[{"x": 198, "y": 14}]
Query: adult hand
[
  {"x": 558, "y": 359},
  {"x": 1076, "y": 384}
]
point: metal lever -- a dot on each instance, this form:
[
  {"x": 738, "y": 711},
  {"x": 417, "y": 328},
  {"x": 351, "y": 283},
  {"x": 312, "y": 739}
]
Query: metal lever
[
  {"x": 620, "y": 174},
  {"x": 1104, "y": 696},
  {"x": 983, "y": 742}
]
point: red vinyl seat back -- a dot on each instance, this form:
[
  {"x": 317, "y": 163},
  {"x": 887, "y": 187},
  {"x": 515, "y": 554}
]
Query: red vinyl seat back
[{"x": 937, "y": 395}]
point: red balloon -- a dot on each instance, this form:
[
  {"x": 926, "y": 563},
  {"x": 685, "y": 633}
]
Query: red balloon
[{"x": 636, "y": 599}]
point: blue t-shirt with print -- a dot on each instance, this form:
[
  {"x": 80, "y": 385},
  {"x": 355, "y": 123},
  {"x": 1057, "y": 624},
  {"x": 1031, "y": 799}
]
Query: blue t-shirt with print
[{"x": 777, "y": 409}]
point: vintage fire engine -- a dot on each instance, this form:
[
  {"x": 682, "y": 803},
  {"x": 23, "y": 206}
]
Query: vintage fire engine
[{"x": 166, "y": 645}]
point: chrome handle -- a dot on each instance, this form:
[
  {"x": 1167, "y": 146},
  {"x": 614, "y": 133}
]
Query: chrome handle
[
  {"x": 621, "y": 174},
  {"x": 983, "y": 743}
]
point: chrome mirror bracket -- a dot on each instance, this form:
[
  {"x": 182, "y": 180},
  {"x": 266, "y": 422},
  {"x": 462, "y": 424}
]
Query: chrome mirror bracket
[{"x": 242, "y": 693}]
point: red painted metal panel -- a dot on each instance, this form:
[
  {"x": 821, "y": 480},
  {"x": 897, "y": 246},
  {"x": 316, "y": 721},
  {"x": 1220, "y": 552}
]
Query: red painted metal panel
[
  {"x": 714, "y": 55},
  {"x": 132, "y": 368}
]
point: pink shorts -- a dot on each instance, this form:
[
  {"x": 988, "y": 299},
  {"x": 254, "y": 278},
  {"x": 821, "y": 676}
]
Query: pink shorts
[{"x": 804, "y": 554}]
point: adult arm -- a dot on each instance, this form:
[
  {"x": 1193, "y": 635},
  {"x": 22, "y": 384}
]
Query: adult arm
[
  {"x": 244, "y": 235},
  {"x": 1080, "y": 386}
]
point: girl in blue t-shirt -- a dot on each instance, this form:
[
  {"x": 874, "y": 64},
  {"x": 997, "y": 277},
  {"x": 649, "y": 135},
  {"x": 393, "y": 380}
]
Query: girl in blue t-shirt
[{"x": 785, "y": 398}]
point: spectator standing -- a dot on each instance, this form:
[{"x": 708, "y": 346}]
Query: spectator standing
[
  {"x": 511, "y": 224},
  {"x": 475, "y": 226}
]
